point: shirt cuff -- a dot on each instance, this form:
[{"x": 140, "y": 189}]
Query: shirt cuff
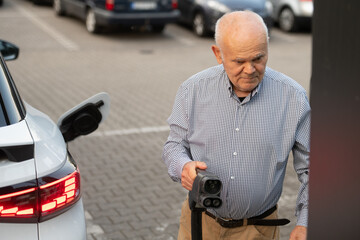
[
  {"x": 180, "y": 166},
  {"x": 302, "y": 218}
]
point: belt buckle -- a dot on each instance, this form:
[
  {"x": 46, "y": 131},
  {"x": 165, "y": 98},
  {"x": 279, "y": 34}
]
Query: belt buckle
[
  {"x": 223, "y": 222},
  {"x": 231, "y": 223},
  {"x": 218, "y": 219}
]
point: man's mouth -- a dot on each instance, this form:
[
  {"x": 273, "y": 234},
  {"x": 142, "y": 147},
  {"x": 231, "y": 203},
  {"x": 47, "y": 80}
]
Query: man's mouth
[{"x": 249, "y": 78}]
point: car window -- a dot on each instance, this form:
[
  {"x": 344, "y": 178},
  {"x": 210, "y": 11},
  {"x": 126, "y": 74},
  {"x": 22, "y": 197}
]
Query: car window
[
  {"x": 12, "y": 108},
  {"x": 2, "y": 117}
]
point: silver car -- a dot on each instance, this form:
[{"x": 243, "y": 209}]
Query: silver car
[
  {"x": 292, "y": 14},
  {"x": 40, "y": 191}
]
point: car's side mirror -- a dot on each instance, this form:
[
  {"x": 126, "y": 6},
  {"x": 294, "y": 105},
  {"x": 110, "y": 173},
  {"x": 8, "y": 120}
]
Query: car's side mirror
[
  {"x": 8, "y": 50},
  {"x": 85, "y": 117}
]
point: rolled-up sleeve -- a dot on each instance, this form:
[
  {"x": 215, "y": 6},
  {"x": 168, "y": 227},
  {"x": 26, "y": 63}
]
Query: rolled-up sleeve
[{"x": 176, "y": 151}]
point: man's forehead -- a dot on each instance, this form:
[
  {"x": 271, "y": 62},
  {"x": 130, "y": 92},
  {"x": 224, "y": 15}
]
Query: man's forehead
[
  {"x": 253, "y": 38},
  {"x": 245, "y": 49}
]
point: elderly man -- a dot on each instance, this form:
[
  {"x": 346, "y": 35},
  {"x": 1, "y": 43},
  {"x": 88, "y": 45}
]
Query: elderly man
[{"x": 240, "y": 120}]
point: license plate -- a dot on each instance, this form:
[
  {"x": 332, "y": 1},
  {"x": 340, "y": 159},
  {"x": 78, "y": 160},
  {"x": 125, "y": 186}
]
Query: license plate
[{"x": 143, "y": 5}]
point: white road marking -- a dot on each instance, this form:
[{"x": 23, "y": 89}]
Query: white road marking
[
  {"x": 185, "y": 41},
  {"x": 130, "y": 131},
  {"x": 178, "y": 37},
  {"x": 60, "y": 38},
  {"x": 92, "y": 228}
]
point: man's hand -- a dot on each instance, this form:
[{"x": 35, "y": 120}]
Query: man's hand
[
  {"x": 299, "y": 233},
  {"x": 188, "y": 174}
]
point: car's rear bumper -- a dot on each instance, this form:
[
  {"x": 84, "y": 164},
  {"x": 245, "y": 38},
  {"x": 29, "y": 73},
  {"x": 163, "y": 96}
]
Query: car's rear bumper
[
  {"x": 70, "y": 225},
  {"x": 104, "y": 17}
]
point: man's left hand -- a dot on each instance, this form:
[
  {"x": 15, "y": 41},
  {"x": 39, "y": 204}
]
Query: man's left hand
[{"x": 299, "y": 233}]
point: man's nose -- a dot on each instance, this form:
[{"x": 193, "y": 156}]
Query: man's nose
[{"x": 249, "y": 68}]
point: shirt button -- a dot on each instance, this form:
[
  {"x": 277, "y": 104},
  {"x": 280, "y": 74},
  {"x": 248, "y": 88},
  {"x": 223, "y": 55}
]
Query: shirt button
[
  {"x": 235, "y": 153},
  {"x": 232, "y": 177},
  {"x": 237, "y": 129}
]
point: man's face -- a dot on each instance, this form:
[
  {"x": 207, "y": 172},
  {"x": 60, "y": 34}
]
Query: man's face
[{"x": 244, "y": 62}]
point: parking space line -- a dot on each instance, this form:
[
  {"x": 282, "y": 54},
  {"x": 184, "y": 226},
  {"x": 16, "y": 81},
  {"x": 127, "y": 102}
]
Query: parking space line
[
  {"x": 183, "y": 40},
  {"x": 64, "y": 41},
  {"x": 91, "y": 228},
  {"x": 130, "y": 131},
  {"x": 186, "y": 41}
]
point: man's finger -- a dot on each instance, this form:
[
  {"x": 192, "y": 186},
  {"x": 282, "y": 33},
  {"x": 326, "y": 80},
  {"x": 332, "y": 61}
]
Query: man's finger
[
  {"x": 197, "y": 165},
  {"x": 201, "y": 165}
]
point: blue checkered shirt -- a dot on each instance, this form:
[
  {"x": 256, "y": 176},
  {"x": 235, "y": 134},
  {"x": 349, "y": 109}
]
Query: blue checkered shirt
[{"x": 247, "y": 144}]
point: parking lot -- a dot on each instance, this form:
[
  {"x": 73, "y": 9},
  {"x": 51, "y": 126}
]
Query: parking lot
[{"x": 126, "y": 190}]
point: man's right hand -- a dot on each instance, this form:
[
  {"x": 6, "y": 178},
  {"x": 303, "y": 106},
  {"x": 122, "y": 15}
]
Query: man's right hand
[{"x": 189, "y": 173}]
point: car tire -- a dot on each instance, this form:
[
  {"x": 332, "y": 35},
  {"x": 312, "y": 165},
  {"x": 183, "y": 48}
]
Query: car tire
[
  {"x": 58, "y": 8},
  {"x": 158, "y": 28},
  {"x": 91, "y": 24},
  {"x": 199, "y": 25},
  {"x": 287, "y": 20}
]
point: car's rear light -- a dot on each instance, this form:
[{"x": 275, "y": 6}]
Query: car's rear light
[
  {"x": 174, "y": 4},
  {"x": 19, "y": 204},
  {"x": 59, "y": 194},
  {"x": 109, "y": 5},
  {"x": 41, "y": 199}
]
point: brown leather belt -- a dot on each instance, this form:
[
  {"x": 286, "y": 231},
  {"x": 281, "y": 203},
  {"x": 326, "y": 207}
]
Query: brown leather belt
[{"x": 257, "y": 220}]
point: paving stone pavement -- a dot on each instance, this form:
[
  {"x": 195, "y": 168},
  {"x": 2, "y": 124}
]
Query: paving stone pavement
[
  {"x": 126, "y": 191},
  {"x": 126, "y": 188}
]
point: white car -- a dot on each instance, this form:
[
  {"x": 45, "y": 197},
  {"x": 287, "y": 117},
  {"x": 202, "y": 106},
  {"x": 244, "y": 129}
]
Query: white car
[
  {"x": 40, "y": 191},
  {"x": 292, "y": 14}
]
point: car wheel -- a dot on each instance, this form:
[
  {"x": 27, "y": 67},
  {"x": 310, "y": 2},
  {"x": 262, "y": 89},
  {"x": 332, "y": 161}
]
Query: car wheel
[
  {"x": 287, "y": 20},
  {"x": 158, "y": 28},
  {"x": 199, "y": 25},
  {"x": 91, "y": 24},
  {"x": 58, "y": 8}
]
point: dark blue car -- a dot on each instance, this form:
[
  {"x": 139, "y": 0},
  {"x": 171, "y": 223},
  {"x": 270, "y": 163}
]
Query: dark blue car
[
  {"x": 203, "y": 14},
  {"x": 102, "y": 13}
]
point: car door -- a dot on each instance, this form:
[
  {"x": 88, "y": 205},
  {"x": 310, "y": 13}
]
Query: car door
[{"x": 76, "y": 7}]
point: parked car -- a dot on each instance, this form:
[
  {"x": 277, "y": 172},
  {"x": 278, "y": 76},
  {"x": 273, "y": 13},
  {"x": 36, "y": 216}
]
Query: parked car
[
  {"x": 293, "y": 14},
  {"x": 203, "y": 14},
  {"x": 39, "y": 2},
  {"x": 40, "y": 191},
  {"x": 102, "y": 13}
]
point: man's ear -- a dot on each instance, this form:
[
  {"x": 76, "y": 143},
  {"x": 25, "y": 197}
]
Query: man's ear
[{"x": 217, "y": 53}]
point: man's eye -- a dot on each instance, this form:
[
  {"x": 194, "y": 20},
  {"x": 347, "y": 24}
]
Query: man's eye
[{"x": 258, "y": 59}]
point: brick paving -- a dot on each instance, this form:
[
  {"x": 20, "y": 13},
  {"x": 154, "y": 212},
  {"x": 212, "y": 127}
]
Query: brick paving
[{"x": 127, "y": 193}]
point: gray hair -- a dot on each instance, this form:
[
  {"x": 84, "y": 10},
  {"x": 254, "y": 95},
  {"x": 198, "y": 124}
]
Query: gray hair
[{"x": 218, "y": 33}]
